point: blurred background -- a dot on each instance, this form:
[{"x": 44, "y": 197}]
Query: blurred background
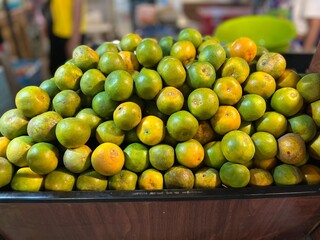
[{"x": 27, "y": 27}]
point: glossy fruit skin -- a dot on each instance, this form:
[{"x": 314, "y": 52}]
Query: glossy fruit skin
[
  {"x": 26, "y": 180},
  {"x": 201, "y": 75},
  {"x": 107, "y": 159},
  {"x": 124, "y": 180},
  {"x": 189, "y": 153},
  {"x": 184, "y": 50},
  {"x": 148, "y": 84},
  {"x": 287, "y": 101},
  {"x": 237, "y": 147},
  {"x": 72, "y": 132},
  {"x": 42, "y": 127},
  {"x": 286, "y": 174},
  {"x": 292, "y": 149},
  {"x": 234, "y": 175},
  {"x": 68, "y": 76},
  {"x": 127, "y": 115},
  {"x": 60, "y": 180},
  {"x": 150, "y": 179},
  {"x": 151, "y": 130},
  {"x": 214, "y": 54},
  {"x": 265, "y": 145},
  {"x": 311, "y": 174},
  {"x": 172, "y": 71},
  {"x": 111, "y": 61},
  {"x": 251, "y": 107},
  {"x": 13, "y": 123},
  {"x": 162, "y": 156},
  {"x": 142, "y": 52},
  {"x": 203, "y": 103},
  {"x": 32, "y": 100},
  {"x": 90, "y": 180},
  {"x": 136, "y": 157},
  {"x": 182, "y": 125},
  {"x": 228, "y": 89},
  {"x": 308, "y": 87},
  {"x": 272, "y": 63},
  {"x": 226, "y": 119},
  {"x": 85, "y": 57},
  {"x": 260, "y": 177},
  {"x": 43, "y": 158},
  {"x": 169, "y": 100},
  {"x": 243, "y": 47},
  {"x": 119, "y": 85}
]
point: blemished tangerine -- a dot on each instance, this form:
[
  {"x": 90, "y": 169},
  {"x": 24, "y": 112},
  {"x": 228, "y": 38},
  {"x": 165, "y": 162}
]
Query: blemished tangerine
[
  {"x": 107, "y": 159},
  {"x": 85, "y": 57},
  {"x": 228, "y": 89},
  {"x": 169, "y": 100},
  {"x": 184, "y": 50},
  {"x": 150, "y": 179},
  {"x": 235, "y": 67},
  {"x": 151, "y": 130},
  {"x": 260, "y": 83},
  {"x": 13, "y": 123},
  {"x": 127, "y": 115},
  {"x": 226, "y": 119},
  {"x": 203, "y": 103},
  {"x": 272, "y": 63}
]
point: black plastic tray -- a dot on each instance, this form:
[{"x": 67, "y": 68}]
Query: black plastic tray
[
  {"x": 161, "y": 195},
  {"x": 299, "y": 62},
  {"x": 296, "y": 61}
]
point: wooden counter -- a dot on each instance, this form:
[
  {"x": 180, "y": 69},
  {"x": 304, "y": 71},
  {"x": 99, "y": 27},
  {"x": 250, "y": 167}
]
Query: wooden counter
[{"x": 267, "y": 213}]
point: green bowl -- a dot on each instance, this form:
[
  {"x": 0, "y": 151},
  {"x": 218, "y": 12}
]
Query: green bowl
[{"x": 270, "y": 32}]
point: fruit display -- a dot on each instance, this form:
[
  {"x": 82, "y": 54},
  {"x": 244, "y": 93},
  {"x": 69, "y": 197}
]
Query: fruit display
[{"x": 153, "y": 114}]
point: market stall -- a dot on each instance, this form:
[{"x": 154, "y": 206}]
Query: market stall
[{"x": 288, "y": 208}]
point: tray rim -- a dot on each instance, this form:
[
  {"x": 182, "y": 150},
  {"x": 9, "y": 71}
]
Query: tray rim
[{"x": 160, "y": 195}]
